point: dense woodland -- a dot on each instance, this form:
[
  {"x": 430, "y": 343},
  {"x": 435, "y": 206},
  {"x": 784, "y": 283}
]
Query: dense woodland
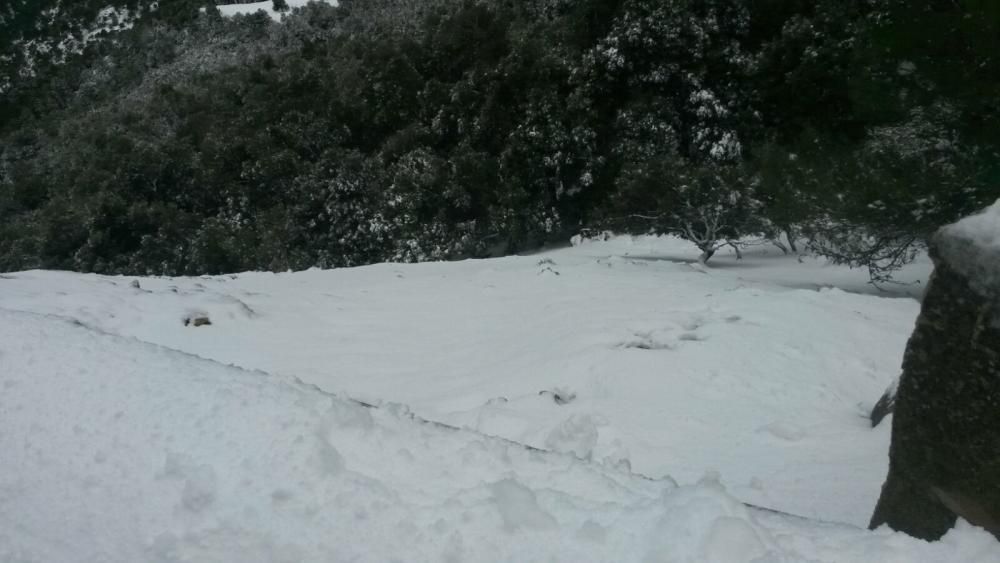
[{"x": 411, "y": 130}]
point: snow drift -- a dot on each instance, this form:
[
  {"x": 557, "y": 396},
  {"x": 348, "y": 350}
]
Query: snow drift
[{"x": 118, "y": 450}]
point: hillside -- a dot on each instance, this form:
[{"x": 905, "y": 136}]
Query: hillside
[
  {"x": 482, "y": 280},
  {"x": 199, "y": 139},
  {"x": 631, "y": 369}
]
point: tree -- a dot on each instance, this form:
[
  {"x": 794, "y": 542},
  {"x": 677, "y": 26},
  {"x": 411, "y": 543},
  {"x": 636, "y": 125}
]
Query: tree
[
  {"x": 459, "y": 128},
  {"x": 925, "y": 75},
  {"x": 710, "y": 205}
]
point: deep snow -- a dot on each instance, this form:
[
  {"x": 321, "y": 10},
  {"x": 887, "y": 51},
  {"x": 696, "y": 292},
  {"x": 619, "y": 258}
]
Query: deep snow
[{"x": 128, "y": 439}]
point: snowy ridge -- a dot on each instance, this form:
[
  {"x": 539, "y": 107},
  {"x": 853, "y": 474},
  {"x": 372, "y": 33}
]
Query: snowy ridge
[{"x": 149, "y": 454}]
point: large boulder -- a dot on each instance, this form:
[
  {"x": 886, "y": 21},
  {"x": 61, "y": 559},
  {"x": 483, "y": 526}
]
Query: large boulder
[{"x": 944, "y": 461}]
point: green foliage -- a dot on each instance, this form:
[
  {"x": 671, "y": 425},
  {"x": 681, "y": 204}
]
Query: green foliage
[
  {"x": 926, "y": 75},
  {"x": 436, "y": 129}
]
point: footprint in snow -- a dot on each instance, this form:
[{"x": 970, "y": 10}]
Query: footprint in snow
[
  {"x": 647, "y": 341},
  {"x": 784, "y": 431}
]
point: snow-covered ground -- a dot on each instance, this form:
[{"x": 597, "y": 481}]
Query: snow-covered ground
[
  {"x": 130, "y": 434},
  {"x": 229, "y": 10}
]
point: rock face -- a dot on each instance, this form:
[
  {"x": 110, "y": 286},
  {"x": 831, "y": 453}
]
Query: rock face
[{"x": 945, "y": 453}]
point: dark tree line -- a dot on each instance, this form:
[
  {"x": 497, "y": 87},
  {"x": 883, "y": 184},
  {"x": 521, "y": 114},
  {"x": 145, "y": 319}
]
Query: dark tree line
[{"x": 435, "y": 129}]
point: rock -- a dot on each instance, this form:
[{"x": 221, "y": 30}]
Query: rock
[
  {"x": 885, "y": 405},
  {"x": 135, "y": 284},
  {"x": 559, "y": 396},
  {"x": 944, "y": 461},
  {"x": 197, "y": 321}
]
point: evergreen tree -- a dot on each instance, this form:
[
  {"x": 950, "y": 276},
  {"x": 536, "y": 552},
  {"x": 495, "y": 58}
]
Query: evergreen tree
[
  {"x": 194, "y": 143},
  {"x": 925, "y": 75}
]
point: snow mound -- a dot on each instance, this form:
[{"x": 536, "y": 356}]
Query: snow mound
[
  {"x": 119, "y": 450},
  {"x": 972, "y": 247},
  {"x": 981, "y": 229}
]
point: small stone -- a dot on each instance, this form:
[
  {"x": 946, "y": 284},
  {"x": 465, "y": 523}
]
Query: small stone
[
  {"x": 885, "y": 405},
  {"x": 197, "y": 321}
]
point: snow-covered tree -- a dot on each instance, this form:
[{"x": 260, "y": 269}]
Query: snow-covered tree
[{"x": 711, "y": 205}]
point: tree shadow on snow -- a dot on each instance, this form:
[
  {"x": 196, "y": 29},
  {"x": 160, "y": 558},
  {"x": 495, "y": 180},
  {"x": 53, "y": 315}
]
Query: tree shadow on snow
[{"x": 806, "y": 272}]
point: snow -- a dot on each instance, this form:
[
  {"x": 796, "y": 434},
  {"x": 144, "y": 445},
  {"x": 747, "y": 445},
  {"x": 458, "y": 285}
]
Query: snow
[
  {"x": 982, "y": 229},
  {"x": 129, "y": 436},
  {"x": 109, "y": 20},
  {"x": 230, "y": 10},
  {"x": 972, "y": 247}
]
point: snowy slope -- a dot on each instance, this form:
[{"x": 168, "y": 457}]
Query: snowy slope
[
  {"x": 118, "y": 450},
  {"x": 658, "y": 366}
]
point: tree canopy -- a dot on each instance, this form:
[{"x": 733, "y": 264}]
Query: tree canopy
[{"x": 188, "y": 143}]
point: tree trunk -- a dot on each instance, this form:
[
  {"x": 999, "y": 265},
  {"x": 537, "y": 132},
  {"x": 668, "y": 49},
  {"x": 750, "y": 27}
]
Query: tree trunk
[
  {"x": 790, "y": 235},
  {"x": 736, "y": 247},
  {"x": 777, "y": 242},
  {"x": 706, "y": 253}
]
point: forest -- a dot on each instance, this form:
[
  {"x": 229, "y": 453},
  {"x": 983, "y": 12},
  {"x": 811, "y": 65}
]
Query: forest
[{"x": 164, "y": 139}]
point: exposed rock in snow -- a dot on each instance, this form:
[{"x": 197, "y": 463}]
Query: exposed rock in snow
[
  {"x": 971, "y": 247},
  {"x": 945, "y": 458},
  {"x": 886, "y": 404}
]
